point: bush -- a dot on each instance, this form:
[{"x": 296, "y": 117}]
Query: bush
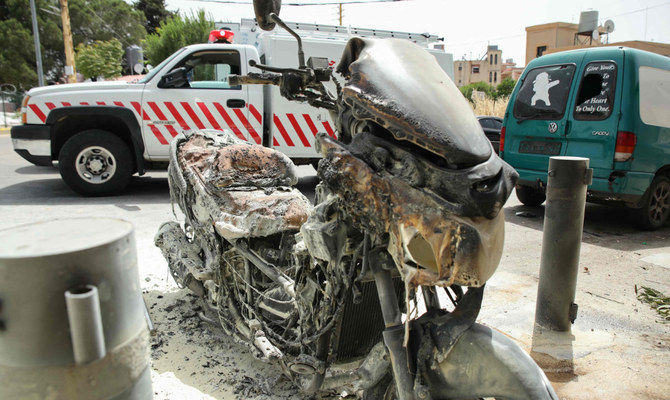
[
  {"x": 100, "y": 59},
  {"x": 505, "y": 88}
]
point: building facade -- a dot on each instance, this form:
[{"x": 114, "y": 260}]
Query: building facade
[
  {"x": 487, "y": 69},
  {"x": 562, "y": 36}
]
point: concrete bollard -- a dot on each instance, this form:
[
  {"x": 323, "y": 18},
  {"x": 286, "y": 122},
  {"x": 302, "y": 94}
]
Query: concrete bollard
[
  {"x": 72, "y": 315},
  {"x": 567, "y": 181}
]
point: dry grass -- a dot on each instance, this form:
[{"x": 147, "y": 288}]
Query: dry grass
[{"x": 487, "y": 106}]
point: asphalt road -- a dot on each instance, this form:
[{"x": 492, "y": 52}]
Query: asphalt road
[{"x": 617, "y": 348}]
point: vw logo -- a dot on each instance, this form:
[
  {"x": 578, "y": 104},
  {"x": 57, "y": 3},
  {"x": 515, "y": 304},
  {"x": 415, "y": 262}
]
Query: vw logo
[{"x": 553, "y": 127}]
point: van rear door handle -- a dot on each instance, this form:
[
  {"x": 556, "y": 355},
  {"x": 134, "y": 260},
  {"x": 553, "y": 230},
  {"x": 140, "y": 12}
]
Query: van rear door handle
[{"x": 235, "y": 103}]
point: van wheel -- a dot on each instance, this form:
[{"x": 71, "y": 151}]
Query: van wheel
[
  {"x": 95, "y": 163},
  {"x": 530, "y": 196},
  {"x": 655, "y": 205}
]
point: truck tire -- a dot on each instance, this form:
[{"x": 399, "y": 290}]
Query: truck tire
[
  {"x": 530, "y": 196},
  {"x": 95, "y": 163},
  {"x": 655, "y": 205}
]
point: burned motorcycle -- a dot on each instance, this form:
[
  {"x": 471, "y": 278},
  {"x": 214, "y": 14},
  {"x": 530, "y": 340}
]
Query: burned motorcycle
[{"x": 407, "y": 212}]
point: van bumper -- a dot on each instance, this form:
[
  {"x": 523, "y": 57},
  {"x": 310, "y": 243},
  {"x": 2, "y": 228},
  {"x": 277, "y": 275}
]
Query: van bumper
[{"x": 620, "y": 187}]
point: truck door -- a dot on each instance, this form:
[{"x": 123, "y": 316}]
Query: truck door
[
  {"x": 206, "y": 101},
  {"x": 536, "y": 129},
  {"x": 592, "y": 130}
]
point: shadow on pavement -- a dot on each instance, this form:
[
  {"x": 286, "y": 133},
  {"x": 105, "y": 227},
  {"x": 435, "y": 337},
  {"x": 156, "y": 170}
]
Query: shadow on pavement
[
  {"x": 605, "y": 226},
  {"x": 53, "y": 191}
]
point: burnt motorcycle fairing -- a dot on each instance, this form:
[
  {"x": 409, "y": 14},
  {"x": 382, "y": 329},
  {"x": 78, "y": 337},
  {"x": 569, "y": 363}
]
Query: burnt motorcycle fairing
[
  {"x": 400, "y": 88},
  {"x": 450, "y": 248}
]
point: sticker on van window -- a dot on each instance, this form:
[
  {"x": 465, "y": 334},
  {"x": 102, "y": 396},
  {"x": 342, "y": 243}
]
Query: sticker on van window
[
  {"x": 595, "y": 99},
  {"x": 544, "y": 92}
]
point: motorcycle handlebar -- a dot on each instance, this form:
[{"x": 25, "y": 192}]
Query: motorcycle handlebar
[{"x": 255, "y": 79}]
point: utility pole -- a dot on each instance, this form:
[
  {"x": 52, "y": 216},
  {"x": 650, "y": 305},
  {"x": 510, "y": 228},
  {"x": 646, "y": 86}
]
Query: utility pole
[
  {"x": 38, "y": 51},
  {"x": 340, "y": 14},
  {"x": 70, "y": 70}
]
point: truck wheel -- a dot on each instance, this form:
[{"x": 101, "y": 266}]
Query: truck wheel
[
  {"x": 95, "y": 163},
  {"x": 655, "y": 205},
  {"x": 530, "y": 196}
]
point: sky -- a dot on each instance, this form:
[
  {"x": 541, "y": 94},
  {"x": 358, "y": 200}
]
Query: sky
[{"x": 467, "y": 26}]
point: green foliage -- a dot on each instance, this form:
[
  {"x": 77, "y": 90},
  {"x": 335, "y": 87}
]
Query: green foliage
[
  {"x": 657, "y": 300},
  {"x": 100, "y": 59},
  {"x": 504, "y": 89},
  {"x": 90, "y": 20},
  {"x": 154, "y": 13},
  {"x": 175, "y": 33},
  {"x": 478, "y": 86},
  {"x": 104, "y": 20}
]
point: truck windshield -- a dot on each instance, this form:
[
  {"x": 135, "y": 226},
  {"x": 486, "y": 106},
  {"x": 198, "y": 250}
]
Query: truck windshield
[
  {"x": 160, "y": 66},
  {"x": 544, "y": 93}
]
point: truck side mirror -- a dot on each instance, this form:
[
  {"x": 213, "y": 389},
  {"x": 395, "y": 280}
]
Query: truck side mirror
[{"x": 174, "y": 79}]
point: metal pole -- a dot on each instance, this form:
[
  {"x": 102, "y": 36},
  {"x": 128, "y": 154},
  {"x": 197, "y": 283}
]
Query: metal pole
[
  {"x": 38, "y": 51},
  {"x": 85, "y": 320},
  {"x": 567, "y": 180}
]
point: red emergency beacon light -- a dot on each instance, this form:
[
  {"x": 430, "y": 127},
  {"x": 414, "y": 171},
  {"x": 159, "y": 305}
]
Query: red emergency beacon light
[{"x": 221, "y": 36}]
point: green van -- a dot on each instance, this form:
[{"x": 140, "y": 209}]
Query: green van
[{"x": 610, "y": 104}]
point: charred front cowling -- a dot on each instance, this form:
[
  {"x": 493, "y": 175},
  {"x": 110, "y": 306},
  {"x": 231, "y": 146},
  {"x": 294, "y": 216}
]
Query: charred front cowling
[
  {"x": 421, "y": 169},
  {"x": 400, "y": 88}
]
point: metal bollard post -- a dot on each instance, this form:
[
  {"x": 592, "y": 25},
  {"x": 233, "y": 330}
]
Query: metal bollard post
[
  {"x": 72, "y": 322},
  {"x": 561, "y": 241}
]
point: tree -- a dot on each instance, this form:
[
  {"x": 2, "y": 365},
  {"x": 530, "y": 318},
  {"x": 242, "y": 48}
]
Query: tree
[
  {"x": 91, "y": 20},
  {"x": 154, "y": 13},
  {"x": 100, "y": 59},
  {"x": 504, "y": 89},
  {"x": 175, "y": 33},
  {"x": 103, "y": 20}
]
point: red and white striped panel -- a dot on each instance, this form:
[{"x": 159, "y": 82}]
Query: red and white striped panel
[
  {"x": 298, "y": 130},
  {"x": 172, "y": 117}
]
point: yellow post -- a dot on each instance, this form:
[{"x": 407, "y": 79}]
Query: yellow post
[{"x": 70, "y": 69}]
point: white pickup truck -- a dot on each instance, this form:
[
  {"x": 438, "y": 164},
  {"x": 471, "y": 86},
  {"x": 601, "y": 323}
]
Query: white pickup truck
[{"x": 102, "y": 133}]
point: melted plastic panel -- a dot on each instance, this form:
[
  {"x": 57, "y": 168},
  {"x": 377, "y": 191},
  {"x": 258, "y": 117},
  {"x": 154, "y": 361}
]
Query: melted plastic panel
[
  {"x": 424, "y": 107},
  {"x": 245, "y": 190},
  {"x": 449, "y": 248}
]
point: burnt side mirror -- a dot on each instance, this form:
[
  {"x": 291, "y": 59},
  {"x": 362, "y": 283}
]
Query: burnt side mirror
[
  {"x": 263, "y": 10},
  {"x": 176, "y": 78}
]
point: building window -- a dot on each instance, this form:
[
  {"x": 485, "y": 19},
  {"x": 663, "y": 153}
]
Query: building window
[
  {"x": 490, "y": 75},
  {"x": 475, "y": 69},
  {"x": 460, "y": 67},
  {"x": 495, "y": 77},
  {"x": 540, "y": 50},
  {"x": 496, "y": 59}
]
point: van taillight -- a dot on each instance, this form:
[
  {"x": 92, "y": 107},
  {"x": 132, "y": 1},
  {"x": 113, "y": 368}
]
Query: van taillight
[
  {"x": 24, "y": 110},
  {"x": 625, "y": 145},
  {"x": 502, "y": 139}
]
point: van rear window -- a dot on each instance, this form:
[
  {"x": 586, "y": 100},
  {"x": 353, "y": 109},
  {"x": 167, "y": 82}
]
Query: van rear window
[
  {"x": 544, "y": 93},
  {"x": 595, "y": 100},
  {"x": 655, "y": 96}
]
